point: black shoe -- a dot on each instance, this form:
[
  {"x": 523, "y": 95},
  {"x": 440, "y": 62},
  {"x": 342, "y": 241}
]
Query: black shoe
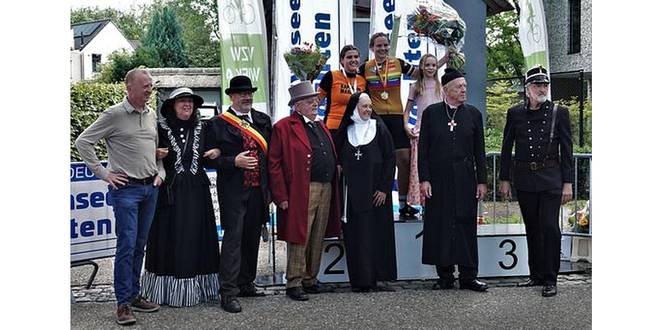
[
  {"x": 318, "y": 288},
  {"x": 250, "y": 291},
  {"x": 296, "y": 294},
  {"x": 530, "y": 282},
  {"x": 230, "y": 304},
  {"x": 474, "y": 285},
  {"x": 408, "y": 212},
  {"x": 549, "y": 290},
  {"x": 444, "y": 284}
]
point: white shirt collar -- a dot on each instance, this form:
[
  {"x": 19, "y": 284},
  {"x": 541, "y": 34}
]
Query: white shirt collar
[
  {"x": 238, "y": 113},
  {"x": 307, "y": 120}
]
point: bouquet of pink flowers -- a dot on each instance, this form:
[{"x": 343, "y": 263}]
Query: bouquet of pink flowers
[
  {"x": 305, "y": 62},
  {"x": 443, "y": 26}
]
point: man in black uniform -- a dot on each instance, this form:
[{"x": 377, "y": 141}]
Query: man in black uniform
[
  {"x": 242, "y": 134},
  {"x": 542, "y": 173}
]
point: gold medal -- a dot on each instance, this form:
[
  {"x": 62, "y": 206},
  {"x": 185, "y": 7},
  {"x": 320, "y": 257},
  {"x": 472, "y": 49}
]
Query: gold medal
[{"x": 384, "y": 95}]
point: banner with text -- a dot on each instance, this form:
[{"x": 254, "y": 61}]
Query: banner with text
[
  {"x": 328, "y": 24},
  {"x": 92, "y": 223},
  {"x": 243, "y": 47}
]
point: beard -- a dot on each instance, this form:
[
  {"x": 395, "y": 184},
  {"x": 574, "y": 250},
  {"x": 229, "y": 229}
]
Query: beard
[{"x": 541, "y": 98}]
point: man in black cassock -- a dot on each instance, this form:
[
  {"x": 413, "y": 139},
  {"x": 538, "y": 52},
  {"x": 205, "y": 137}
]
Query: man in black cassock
[
  {"x": 452, "y": 175},
  {"x": 543, "y": 174}
]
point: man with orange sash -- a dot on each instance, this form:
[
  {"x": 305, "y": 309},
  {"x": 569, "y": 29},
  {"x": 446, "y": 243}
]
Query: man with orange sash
[{"x": 242, "y": 134}]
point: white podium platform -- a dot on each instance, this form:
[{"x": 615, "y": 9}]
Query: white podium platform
[{"x": 502, "y": 252}]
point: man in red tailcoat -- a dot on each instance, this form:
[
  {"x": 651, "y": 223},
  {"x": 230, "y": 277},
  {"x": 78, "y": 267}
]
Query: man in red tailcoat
[{"x": 303, "y": 178}]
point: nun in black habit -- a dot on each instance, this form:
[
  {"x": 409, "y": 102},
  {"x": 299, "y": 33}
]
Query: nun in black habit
[
  {"x": 366, "y": 154},
  {"x": 452, "y": 175}
]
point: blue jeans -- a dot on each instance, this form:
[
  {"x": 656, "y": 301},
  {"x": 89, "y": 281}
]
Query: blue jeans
[{"x": 134, "y": 206}]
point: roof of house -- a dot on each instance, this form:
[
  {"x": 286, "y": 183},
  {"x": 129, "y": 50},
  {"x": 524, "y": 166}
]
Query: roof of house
[
  {"x": 84, "y": 32},
  {"x": 494, "y": 7},
  {"x": 188, "y": 77}
]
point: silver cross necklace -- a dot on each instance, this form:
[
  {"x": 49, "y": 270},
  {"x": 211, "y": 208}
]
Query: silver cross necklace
[{"x": 451, "y": 123}]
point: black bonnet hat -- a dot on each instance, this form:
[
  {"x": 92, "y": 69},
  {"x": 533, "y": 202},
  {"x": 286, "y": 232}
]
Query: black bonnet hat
[
  {"x": 450, "y": 74},
  {"x": 178, "y": 93}
]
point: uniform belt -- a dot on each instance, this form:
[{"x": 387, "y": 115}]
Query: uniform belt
[
  {"x": 147, "y": 180},
  {"x": 534, "y": 166}
]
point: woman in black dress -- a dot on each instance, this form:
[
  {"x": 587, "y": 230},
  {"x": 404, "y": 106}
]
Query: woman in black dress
[
  {"x": 182, "y": 258},
  {"x": 366, "y": 154}
]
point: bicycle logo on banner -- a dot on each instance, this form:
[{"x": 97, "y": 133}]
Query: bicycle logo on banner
[
  {"x": 238, "y": 8},
  {"x": 534, "y": 34}
]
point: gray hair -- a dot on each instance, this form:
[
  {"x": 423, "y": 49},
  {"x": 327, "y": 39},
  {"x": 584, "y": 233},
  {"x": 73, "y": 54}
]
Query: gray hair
[{"x": 130, "y": 75}]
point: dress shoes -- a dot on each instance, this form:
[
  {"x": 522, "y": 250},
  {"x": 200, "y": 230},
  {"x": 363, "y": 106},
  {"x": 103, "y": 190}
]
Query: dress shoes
[
  {"x": 474, "y": 285},
  {"x": 318, "y": 288},
  {"x": 230, "y": 304},
  {"x": 528, "y": 283},
  {"x": 250, "y": 291},
  {"x": 549, "y": 290},
  {"x": 444, "y": 284},
  {"x": 296, "y": 294}
]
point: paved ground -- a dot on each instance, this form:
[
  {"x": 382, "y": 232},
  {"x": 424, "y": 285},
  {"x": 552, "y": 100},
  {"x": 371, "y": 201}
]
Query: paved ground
[
  {"x": 408, "y": 308},
  {"x": 413, "y": 306}
]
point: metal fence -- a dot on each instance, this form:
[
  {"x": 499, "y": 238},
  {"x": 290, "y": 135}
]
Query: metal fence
[{"x": 573, "y": 215}]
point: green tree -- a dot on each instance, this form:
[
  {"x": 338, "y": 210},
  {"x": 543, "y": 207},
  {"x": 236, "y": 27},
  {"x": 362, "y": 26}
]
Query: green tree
[
  {"x": 208, "y": 9},
  {"x": 164, "y": 35},
  {"x": 120, "y": 62},
  {"x": 503, "y": 52},
  {"x": 200, "y": 48}
]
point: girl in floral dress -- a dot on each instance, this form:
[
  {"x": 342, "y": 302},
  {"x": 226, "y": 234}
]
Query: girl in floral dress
[{"x": 425, "y": 91}]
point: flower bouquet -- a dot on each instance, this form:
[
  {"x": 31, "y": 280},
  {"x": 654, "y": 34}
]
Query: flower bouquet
[
  {"x": 305, "y": 62},
  {"x": 579, "y": 220},
  {"x": 442, "y": 25}
]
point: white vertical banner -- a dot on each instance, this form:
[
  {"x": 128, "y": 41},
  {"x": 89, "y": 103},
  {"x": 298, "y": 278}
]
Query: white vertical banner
[
  {"x": 243, "y": 48},
  {"x": 328, "y": 24},
  {"x": 533, "y": 34},
  {"x": 409, "y": 47}
]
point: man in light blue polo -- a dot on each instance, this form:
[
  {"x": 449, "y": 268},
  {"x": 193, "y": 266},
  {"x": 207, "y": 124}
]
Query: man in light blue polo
[{"x": 133, "y": 176}]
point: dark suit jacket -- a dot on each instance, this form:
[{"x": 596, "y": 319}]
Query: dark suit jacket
[
  {"x": 229, "y": 140},
  {"x": 530, "y": 132}
]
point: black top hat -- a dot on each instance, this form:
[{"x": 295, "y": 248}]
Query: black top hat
[
  {"x": 178, "y": 93},
  {"x": 240, "y": 84},
  {"x": 537, "y": 75}
]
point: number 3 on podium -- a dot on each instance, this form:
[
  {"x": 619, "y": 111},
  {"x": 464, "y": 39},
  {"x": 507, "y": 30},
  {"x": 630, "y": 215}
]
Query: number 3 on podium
[{"x": 510, "y": 252}]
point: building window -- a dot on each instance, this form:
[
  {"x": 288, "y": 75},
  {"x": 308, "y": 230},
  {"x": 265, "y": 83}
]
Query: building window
[
  {"x": 574, "y": 26},
  {"x": 96, "y": 62}
]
